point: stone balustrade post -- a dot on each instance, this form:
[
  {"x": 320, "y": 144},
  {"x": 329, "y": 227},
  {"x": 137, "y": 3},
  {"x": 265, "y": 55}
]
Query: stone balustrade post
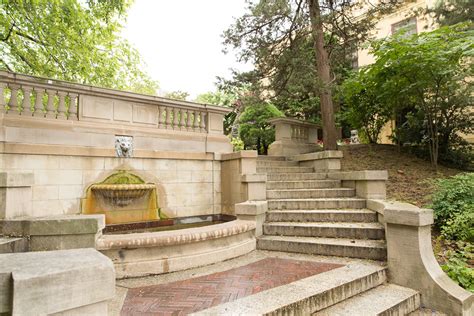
[
  {"x": 324, "y": 161},
  {"x": 369, "y": 184},
  {"x": 293, "y": 137},
  {"x": 243, "y": 189},
  {"x": 411, "y": 261}
]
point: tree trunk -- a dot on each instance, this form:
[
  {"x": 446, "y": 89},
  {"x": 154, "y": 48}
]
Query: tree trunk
[{"x": 323, "y": 70}]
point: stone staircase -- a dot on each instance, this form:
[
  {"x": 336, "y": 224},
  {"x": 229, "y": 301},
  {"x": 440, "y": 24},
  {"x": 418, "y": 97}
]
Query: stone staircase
[{"x": 308, "y": 213}]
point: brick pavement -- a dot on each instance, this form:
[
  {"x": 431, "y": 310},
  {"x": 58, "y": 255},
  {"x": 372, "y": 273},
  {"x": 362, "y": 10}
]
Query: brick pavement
[{"x": 192, "y": 295}]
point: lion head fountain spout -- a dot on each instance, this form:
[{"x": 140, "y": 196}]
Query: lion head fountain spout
[{"x": 124, "y": 198}]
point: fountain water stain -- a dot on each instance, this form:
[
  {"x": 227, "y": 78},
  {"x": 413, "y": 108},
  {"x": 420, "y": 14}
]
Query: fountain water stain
[{"x": 124, "y": 198}]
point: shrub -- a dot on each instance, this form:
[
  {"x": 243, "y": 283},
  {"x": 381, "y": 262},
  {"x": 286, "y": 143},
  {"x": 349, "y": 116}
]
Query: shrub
[
  {"x": 237, "y": 143},
  {"x": 457, "y": 266},
  {"x": 453, "y": 205}
]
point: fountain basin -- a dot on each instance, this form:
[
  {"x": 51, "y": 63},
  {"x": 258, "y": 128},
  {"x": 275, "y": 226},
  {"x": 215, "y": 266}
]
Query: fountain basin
[{"x": 148, "y": 253}]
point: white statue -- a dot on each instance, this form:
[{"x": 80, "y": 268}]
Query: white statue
[{"x": 354, "y": 137}]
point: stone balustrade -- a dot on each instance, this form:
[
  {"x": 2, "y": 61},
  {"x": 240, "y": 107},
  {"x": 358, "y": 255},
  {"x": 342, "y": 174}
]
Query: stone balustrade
[
  {"x": 28, "y": 96},
  {"x": 293, "y": 137}
]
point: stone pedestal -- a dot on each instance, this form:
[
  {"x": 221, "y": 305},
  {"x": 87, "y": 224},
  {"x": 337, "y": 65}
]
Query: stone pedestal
[
  {"x": 253, "y": 211},
  {"x": 293, "y": 137},
  {"x": 15, "y": 194},
  {"x": 66, "y": 282},
  {"x": 369, "y": 184},
  {"x": 328, "y": 160},
  {"x": 411, "y": 262}
]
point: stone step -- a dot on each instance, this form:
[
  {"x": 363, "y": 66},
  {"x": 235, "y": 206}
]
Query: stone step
[
  {"x": 13, "y": 244},
  {"x": 305, "y": 184},
  {"x": 387, "y": 299},
  {"x": 349, "y": 215},
  {"x": 271, "y": 158},
  {"x": 296, "y": 176},
  {"x": 308, "y": 295},
  {"x": 339, "y": 247},
  {"x": 269, "y": 170},
  {"x": 310, "y": 193},
  {"x": 330, "y": 230},
  {"x": 315, "y": 204},
  {"x": 276, "y": 163}
]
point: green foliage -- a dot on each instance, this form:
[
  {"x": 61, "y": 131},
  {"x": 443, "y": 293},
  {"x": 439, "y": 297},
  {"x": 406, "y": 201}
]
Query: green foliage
[
  {"x": 363, "y": 109},
  {"x": 453, "y": 205},
  {"x": 237, "y": 143},
  {"x": 422, "y": 79},
  {"x": 453, "y": 11},
  {"x": 71, "y": 40},
  {"x": 276, "y": 36},
  {"x": 457, "y": 266},
  {"x": 177, "y": 95},
  {"x": 255, "y": 131}
]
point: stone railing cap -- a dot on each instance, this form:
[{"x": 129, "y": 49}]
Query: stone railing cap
[
  {"x": 292, "y": 121},
  {"x": 359, "y": 175},
  {"x": 238, "y": 155},
  {"x": 107, "y": 92},
  {"x": 254, "y": 177},
  {"x": 403, "y": 213},
  {"x": 251, "y": 208},
  {"x": 327, "y": 154}
]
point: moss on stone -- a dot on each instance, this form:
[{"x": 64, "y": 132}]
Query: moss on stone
[{"x": 123, "y": 177}]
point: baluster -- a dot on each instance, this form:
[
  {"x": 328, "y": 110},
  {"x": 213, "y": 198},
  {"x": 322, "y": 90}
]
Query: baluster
[
  {"x": 62, "y": 105},
  {"x": 160, "y": 115},
  {"x": 195, "y": 121},
  {"x": 181, "y": 119},
  {"x": 50, "y": 110},
  {"x": 13, "y": 103},
  {"x": 202, "y": 121},
  {"x": 2, "y": 97},
  {"x": 27, "y": 101},
  {"x": 72, "y": 111},
  {"x": 175, "y": 118},
  {"x": 168, "y": 117},
  {"x": 188, "y": 120},
  {"x": 39, "y": 109}
]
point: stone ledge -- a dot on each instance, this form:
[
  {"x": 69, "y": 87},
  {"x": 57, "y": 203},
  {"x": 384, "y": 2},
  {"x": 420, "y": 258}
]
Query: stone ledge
[
  {"x": 13, "y": 179},
  {"x": 251, "y": 208},
  {"x": 401, "y": 213},
  {"x": 43, "y": 283},
  {"x": 327, "y": 154},
  {"x": 176, "y": 237},
  {"x": 292, "y": 121},
  {"x": 256, "y": 177},
  {"x": 53, "y": 225},
  {"x": 238, "y": 155},
  {"x": 359, "y": 175}
]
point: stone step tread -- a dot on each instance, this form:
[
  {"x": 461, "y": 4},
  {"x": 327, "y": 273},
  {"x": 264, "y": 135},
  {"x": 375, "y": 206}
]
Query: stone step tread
[
  {"x": 311, "y": 190},
  {"x": 275, "y": 158},
  {"x": 387, "y": 297},
  {"x": 299, "y": 175},
  {"x": 328, "y": 225},
  {"x": 278, "y": 170},
  {"x": 307, "y": 295},
  {"x": 305, "y": 181},
  {"x": 319, "y": 199},
  {"x": 333, "y": 211},
  {"x": 360, "y": 243}
]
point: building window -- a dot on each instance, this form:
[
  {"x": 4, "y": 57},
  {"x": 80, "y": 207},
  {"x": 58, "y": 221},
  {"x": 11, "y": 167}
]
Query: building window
[{"x": 408, "y": 26}]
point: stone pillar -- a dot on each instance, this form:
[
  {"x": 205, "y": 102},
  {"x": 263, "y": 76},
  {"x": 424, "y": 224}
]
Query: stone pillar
[
  {"x": 293, "y": 137},
  {"x": 325, "y": 161},
  {"x": 15, "y": 194},
  {"x": 66, "y": 282},
  {"x": 243, "y": 189},
  {"x": 369, "y": 184},
  {"x": 411, "y": 262}
]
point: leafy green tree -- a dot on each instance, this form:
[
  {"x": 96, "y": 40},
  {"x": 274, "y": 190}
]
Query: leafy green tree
[
  {"x": 293, "y": 44},
  {"x": 255, "y": 131},
  {"x": 453, "y": 11},
  {"x": 177, "y": 95},
  {"x": 425, "y": 79},
  {"x": 71, "y": 40},
  {"x": 363, "y": 107}
]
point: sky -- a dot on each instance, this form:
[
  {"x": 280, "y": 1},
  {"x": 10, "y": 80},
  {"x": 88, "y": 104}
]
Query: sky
[{"x": 181, "y": 43}]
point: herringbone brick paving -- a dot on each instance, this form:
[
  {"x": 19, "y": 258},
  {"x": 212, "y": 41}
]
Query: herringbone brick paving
[{"x": 192, "y": 295}]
